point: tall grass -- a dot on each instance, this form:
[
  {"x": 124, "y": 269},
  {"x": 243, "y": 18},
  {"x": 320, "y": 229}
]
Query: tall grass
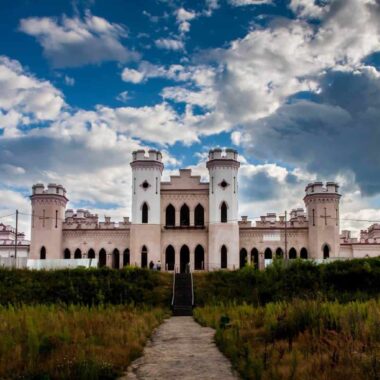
[
  {"x": 72, "y": 342},
  {"x": 300, "y": 340}
]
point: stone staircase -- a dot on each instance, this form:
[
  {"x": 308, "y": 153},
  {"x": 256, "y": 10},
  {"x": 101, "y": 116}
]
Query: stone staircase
[{"x": 183, "y": 294}]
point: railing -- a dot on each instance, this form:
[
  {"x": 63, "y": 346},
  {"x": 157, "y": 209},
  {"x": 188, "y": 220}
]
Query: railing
[{"x": 174, "y": 271}]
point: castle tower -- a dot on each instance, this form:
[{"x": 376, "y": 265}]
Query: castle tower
[
  {"x": 48, "y": 213},
  {"x": 322, "y": 205},
  {"x": 145, "y": 243},
  {"x": 223, "y": 249}
]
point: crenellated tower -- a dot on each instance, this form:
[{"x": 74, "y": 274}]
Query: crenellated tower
[
  {"x": 322, "y": 203},
  {"x": 48, "y": 213},
  {"x": 145, "y": 228},
  {"x": 223, "y": 209}
]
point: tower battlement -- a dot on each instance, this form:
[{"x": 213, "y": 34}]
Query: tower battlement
[
  {"x": 319, "y": 187},
  {"x": 151, "y": 155},
  {"x": 52, "y": 188},
  {"x": 218, "y": 154}
]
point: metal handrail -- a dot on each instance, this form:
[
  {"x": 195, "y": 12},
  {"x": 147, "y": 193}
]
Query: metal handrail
[
  {"x": 192, "y": 288},
  {"x": 174, "y": 271}
]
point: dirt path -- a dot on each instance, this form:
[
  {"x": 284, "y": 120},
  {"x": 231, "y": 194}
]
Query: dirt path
[{"x": 181, "y": 349}]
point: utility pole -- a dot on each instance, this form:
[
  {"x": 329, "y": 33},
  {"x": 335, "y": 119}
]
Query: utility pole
[
  {"x": 286, "y": 236},
  {"x": 16, "y": 234}
]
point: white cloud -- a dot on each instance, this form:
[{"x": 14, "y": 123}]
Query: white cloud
[
  {"x": 239, "y": 3},
  {"x": 169, "y": 44},
  {"x": 183, "y": 19},
  {"x": 74, "y": 42},
  {"x": 308, "y": 8},
  {"x": 131, "y": 75},
  {"x": 123, "y": 97},
  {"x": 69, "y": 81}
]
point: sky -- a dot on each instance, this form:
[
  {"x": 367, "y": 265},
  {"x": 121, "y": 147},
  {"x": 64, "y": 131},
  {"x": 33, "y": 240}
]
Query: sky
[{"x": 293, "y": 85}]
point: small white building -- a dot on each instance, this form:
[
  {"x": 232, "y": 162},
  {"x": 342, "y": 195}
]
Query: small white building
[
  {"x": 10, "y": 255},
  {"x": 188, "y": 222}
]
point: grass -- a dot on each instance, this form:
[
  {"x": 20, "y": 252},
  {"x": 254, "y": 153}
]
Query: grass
[
  {"x": 72, "y": 342},
  {"x": 308, "y": 340}
]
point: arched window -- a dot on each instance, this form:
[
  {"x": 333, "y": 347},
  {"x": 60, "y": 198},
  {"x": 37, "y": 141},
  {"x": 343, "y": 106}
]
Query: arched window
[
  {"x": 144, "y": 213},
  {"x": 115, "y": 259},
  {"x": 77, "y": 254},
  {"x": 255, "y": 257},
  {"x": 169, "y": 258},
  {"x": 268, "y": 253},
  {"x": 292, "y": 253},
  {"x": 303, "y": 253},
  {"x": 102, "y": 258},
  {"x": 243, "y": 257},
  {"x": 126, "y": 257},
  {"x": 223, "y": 212},
  {"x": 91, "y": 254},
  {"x": 170, "y": 216},
  {"x": 199, "y": 216},
  {"x": 184, "y": 258},
  {"x": 279, "y": 253},
  {"x": 326, "y": 251},
  {"x": 223, "y": 257},
  {"x": 144, "y": 257},
  {"x": 43, "y": 253},
  {"x": 185, "y": 215},
  {"x": 66, "y": 254},
  {"x": 199, "y": 258}
]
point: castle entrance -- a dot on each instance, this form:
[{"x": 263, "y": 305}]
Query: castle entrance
[{"x": 184, "y": 258}]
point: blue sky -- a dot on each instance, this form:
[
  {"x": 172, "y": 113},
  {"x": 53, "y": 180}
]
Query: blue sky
[{"x": 293, "y": 85}]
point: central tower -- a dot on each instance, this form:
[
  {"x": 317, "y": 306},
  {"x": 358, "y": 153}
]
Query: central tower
[
  {"x": 145, "y": 229},
  {"x": 223, "y": 208}
]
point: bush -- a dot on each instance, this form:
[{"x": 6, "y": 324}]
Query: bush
[{"x": 85, "y": 286}]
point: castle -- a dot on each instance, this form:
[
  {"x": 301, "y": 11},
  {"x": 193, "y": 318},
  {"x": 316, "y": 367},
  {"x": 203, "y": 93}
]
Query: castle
[{"x": 189, "y": 222}]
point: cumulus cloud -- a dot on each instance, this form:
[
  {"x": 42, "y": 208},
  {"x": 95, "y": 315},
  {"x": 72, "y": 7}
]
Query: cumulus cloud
[
  {"x": 239, "y": 3},
  {"x": 71, "y": 42},
  {"x": 131, "y": 75},
  {"x": 169, "y": 44},
  {"x": 184, "y": 17}
]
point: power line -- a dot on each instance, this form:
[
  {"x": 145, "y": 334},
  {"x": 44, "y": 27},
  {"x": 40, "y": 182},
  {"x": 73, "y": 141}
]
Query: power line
[{"x": 6, "y": 216}]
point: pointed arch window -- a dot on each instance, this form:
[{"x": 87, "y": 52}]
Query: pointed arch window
[
  {"x": 292, "y": 253},
  {"x": 223, "y": 212},
  {"x": 185, "y": 215},
  {"x": 326, "y": 251},
  {"x": 199, "y": 216},
  {"x": 91, "y": 254},
  {"x": 77, "y": 254},
  {"x": 66, "y": 254},
  {"x": 126, "y": 257},
  {"x": 170, "y": 216},
  {"x": 255, "y": 257},
  {"x": 199, "y": 258},
  {"x": 223, "y": 257},
  {"x": 43, "y": 253},
  {"x": 303, "y": 253},
  {"x": 102, "y": 258},
  {"x": 144, "y": 213},
  {"x": 144, "y": 257}
]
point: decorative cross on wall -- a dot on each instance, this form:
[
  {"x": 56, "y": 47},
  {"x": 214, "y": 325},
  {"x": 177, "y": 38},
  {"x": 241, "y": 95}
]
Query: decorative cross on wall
[
  {"x": 43, "y": 218},
  {"x": 325, "y": 216}
]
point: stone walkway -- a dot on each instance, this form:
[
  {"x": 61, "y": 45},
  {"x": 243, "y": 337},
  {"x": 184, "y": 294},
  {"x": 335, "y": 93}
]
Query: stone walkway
[{"x": 181, "y": 349}]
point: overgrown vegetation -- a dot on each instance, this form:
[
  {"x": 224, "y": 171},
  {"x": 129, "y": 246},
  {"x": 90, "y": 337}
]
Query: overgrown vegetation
[
  {"x": 341, "y": 280},
  {"x": 85, "y": 287},
  {"x": 72, "y": 342},
  {"x": 308, "y": 340}
]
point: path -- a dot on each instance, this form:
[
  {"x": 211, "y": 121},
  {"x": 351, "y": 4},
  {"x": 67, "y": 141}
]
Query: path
[{"x": 181, "y": 349}]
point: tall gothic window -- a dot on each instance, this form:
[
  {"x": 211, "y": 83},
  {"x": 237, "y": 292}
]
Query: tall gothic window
[
  {"x": 223, "y": 257},
  {"x": 66, "y": 254},
  {"x": 170, "y": 216},
  {"x": 223, "y": 212},
  {"x": 77, "y": 254},
  {"x": 303, "y": 253},
  {"x": 292, "y": 253},
  {"x": 326, "y": 251},
  {"x": 43, "y": 253},
  {"x": 199, "y": 215},
  {"x": 126, "y": 257},
  {"x": 185, "y": 215},
  {"x": 91, "y": 254},
  {"x": 144, "y": 257},
  {"x": 144, "y": 213}
]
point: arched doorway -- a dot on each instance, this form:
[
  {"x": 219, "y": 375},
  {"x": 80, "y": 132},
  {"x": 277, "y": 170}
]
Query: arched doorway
[
  {"x": 223, "y": 213},
  {"x": 185, "y": 215},
  {"x": 184, "y": 258},
  {"x": 199, "y": 216},
  {"x": 77, "y": 254},
  {"x": 255, "y": 257},
  {"x": 303, "y": 253},
  {"x": 67, "y": 254},
  {"x": 279, "y": 253},
  {"x": 268, "y": 254},
  {"x": 170, "y": 216},
  {"x": 102, "y": 258},
  {"x": 144, "y": 213},
  {"x": 199, "y": 258},
  {"x": 292, "y": 253},
  {"x": 169, "y": 258},
  {"x": 326, "y": 251},
  {"x": 115, "y": 259},
  {"x": 223, "y": 257},
  {"x": 126, "y": 257},
  {"x": 243, "y": 258},
  {"x": 43, "y": 253},
  {"x": 144, "y": 257},
  {"x": 91, "y": 254}
]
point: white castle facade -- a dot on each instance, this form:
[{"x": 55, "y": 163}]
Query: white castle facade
[{"x": 188, "y": 222}]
